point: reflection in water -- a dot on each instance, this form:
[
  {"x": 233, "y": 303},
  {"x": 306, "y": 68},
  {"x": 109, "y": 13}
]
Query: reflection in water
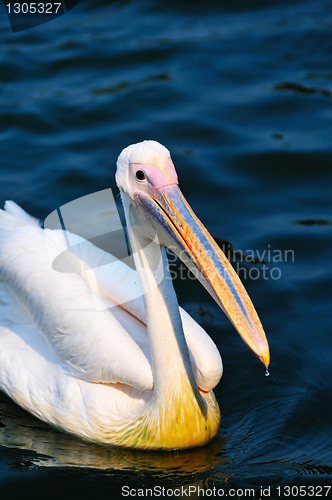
[
  {"x": 241, "y": 462},
  {"x": 19, "y": 429}
]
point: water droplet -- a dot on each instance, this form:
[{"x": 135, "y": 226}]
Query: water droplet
[{"x": 267, "y": 373}]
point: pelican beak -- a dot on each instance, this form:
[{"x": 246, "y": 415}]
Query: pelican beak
[{"x": 193, "y": 244}]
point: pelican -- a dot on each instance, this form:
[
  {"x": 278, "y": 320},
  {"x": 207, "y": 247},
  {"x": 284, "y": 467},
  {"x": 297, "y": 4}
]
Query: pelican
[{"x": 139, "y": 373}]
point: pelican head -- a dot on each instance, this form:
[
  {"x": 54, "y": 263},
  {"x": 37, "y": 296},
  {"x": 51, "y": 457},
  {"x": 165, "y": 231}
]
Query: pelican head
[{"x": 147, "y": 179}]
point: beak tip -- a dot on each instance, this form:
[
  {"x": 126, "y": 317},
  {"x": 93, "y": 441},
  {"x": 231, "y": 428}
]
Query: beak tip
[{"x": 265, "y": 358}]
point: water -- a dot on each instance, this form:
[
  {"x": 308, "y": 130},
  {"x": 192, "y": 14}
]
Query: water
[{"x": 241, "y": 94}]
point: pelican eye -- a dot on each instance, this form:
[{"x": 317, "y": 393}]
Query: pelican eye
[{"x": 140, "y": 175}]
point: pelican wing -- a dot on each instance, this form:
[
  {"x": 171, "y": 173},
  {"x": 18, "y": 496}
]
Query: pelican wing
[
  {"x": 77, "y": 311},
  {"x": 92, "y": 344},
  {"x": 102, "y": 271}
]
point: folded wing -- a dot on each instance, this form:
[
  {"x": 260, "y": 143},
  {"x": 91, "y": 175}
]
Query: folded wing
[{"x": 78, "y": 312}]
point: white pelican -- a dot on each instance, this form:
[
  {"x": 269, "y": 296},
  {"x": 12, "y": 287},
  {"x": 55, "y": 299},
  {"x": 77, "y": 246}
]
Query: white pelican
[{"x": 108, "y": 376}]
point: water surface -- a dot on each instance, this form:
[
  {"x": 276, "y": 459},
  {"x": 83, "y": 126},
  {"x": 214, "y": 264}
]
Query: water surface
[{"x": 241, "y": 94}]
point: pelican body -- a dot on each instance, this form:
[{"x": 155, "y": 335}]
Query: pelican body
[{"x": 139, "y": 373}]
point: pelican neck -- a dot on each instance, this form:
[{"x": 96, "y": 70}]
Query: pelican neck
[{"x": 169, "y": 350}]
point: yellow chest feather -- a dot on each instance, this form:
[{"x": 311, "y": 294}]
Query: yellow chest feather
[{"x": 183, "y": 417}]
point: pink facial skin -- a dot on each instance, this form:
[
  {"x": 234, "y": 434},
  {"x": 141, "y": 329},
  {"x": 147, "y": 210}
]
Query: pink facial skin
[{"x": 153, "y": 179}]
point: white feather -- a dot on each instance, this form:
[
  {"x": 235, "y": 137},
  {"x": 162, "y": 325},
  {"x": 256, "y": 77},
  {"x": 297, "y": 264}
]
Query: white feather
[
  {"x": 108, "y": 345},
  {"x": 12, "y": 208}
]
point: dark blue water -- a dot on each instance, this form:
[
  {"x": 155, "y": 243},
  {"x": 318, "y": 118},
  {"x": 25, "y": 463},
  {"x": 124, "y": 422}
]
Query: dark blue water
[{"x": 241, "y": 93}]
